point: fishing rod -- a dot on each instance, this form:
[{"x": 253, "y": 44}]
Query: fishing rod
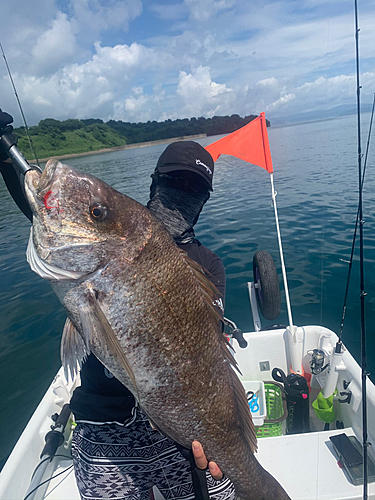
[
  {"x": 360, "y": 221},
  {"x": 361, "y": 266},
  {"x": 19, "y": 105},
  {"x": 355, "y": 229}
]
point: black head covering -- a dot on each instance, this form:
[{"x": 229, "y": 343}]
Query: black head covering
[
  {"x": 187, "y": 155},
  {"x": 180, "y": 187}
]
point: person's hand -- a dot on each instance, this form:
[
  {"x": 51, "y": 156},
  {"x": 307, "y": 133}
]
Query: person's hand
[{"x": 202, "y": 462}]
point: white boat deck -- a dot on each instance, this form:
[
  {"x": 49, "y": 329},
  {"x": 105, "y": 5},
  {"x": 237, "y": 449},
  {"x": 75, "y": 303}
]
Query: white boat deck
[
  {"x": 62, "y": 486},
  {"x": 312, "y": 473},
  {"x": 306, "y": 467},
  {"x": 304, "y": 464}
]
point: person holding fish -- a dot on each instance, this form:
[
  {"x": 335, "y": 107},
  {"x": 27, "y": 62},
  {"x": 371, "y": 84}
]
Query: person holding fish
[
  {"x": 112, "y": 433},
  {"x": 110, "y": 426},
  {"x": 144, "y": 301}
]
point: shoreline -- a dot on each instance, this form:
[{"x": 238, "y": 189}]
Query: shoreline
[{"x": 121, "y": 148}]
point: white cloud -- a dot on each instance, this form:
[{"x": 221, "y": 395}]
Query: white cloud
[
  {"x": 96, "y": 15},
  {"x": 202, "y": 10},
  {"x": 199, "y": 95},
  {"x": 139, "y": 107},
  {"x": 322, "y": 93},
  {"x": 169, "y": 12},
  {"x": 101, "y": 87},
  {"x": 55, "y": 46},
  {"x": 117, "y": 58},
  {"x": 282, "y": 101},
  {"x": 335, "y": 90},
  {"x": 268, "y": 82},
  {"x": 298, "y": 49}
]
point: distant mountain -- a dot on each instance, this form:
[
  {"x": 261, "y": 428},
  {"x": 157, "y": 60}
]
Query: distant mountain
[{"x": 342, "y": 110}]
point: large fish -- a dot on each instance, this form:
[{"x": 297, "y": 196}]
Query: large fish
[{"x": 145, "y": 310}]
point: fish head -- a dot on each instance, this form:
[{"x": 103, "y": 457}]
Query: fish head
[{"x": 80, "y": 223}]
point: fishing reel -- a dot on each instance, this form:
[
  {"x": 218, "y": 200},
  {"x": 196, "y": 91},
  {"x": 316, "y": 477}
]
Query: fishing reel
[{"x": 317, "y": 362}]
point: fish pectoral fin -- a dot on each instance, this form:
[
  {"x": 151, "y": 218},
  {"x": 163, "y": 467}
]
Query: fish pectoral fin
[
  {"x": 73, "y": 350},
  {"x": 107, "y": 336}
]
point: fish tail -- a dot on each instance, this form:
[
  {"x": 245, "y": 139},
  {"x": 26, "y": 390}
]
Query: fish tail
[
  {"x": 263, "y": 487},
  {"x": 276, "y": 494}
]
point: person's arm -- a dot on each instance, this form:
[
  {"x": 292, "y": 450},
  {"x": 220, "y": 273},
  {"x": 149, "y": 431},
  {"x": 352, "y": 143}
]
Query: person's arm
[
  {"x": 13, "y": 173},
  {"x": 217, "y": 274},
  {"x": 13, "y": 183}
]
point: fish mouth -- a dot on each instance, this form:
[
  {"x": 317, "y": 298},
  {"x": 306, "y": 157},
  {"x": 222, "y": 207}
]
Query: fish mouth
[
  {"x": 48, "y": 174},
  {"x": 57, "y": 240},
  {"x": 47, "y": 270},
  {"x": 37, "y": 184}
]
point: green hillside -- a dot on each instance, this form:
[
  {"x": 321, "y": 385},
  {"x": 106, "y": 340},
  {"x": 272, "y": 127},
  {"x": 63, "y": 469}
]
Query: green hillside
[
  {"x": 55, "y": 138},
  {"x": 52, "y": 137}
]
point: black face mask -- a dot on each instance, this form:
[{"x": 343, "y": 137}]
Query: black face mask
[{"x": 177, "y": 203}]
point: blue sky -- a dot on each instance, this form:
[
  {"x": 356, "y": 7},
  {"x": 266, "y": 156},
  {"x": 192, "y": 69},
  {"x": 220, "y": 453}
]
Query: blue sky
[{"x": 139, "y": 60}]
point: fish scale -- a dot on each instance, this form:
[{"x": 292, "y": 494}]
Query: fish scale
[{"x": 146, "y": 312}]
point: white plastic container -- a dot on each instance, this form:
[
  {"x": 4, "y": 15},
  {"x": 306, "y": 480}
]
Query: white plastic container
[{"x": 255, "y": 386}]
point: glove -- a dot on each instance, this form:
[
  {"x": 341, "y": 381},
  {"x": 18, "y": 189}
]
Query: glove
[
  {"x": 5, "y": 119},
  {"x": 5, "y": 128},
  {"x": 14, "y": 183}
]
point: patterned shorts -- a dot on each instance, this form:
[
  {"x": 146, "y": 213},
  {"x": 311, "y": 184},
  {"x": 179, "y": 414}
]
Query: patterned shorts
[{"x": 124, "y": 463}]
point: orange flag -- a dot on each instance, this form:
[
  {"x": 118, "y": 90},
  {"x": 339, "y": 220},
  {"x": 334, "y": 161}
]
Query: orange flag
[{"x": 249, "y": 143}]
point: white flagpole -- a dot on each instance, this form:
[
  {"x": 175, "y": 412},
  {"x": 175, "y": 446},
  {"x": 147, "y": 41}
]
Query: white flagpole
[
  {"x": 281, "y": 253},
  {"x": 295, "y": 350},
  {"x": 225, "y": 147}
]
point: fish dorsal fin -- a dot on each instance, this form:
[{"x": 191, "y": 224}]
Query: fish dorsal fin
[
  {"x": 73, "y": 349},
  {"x": 245, "y": 419},
  {"x": 95, "y": 316},
  {"x": 211, "y": 293}
]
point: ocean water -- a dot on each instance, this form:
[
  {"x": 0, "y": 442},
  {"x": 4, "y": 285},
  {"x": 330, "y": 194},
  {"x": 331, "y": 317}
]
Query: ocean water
[{"x": 316, "y": 178}]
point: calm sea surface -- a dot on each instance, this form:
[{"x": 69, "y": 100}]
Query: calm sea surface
[{"x": 316, "y": 179}]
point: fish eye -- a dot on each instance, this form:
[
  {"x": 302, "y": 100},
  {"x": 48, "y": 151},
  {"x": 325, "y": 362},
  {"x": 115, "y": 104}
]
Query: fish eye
[{"x": 98, "y": 213}]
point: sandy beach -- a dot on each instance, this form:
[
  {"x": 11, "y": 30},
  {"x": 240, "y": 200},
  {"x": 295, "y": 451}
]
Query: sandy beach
[{"x": 120, "y": 148}]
